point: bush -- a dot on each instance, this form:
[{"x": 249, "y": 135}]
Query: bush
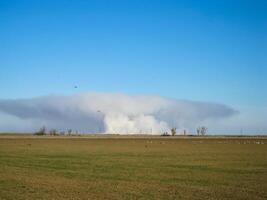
[
  {"x": 165, "y": 134},
  {"x": 41, "y": 131}
]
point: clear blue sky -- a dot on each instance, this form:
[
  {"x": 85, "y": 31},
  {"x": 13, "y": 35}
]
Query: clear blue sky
[{"x": 199, "y": 50}]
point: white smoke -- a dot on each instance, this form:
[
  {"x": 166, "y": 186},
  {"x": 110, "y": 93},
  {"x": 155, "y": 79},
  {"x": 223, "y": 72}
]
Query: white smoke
[{"x": 108, "y": 113}]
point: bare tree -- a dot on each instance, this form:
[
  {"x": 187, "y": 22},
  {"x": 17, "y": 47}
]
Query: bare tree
[
  {"x": 202, "y": 130},
  {"x": 198, "y": 131},
  {"x": 53, "y": 132},
  {"x": 69, "y": 131},
  {"x": 173, "y": 131}
]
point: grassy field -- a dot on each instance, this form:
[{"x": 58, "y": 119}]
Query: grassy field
[{"x": 33, "y": 167}]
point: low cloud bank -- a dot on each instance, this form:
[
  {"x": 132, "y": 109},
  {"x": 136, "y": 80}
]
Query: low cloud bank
[{"x": 108, "y": 113}]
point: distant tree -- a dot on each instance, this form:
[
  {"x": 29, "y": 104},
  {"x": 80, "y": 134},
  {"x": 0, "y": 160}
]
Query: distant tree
[
  {"x": 53, "y": 132},
  {"x": 202, "y": 130},
  {"x": 173, "y": 131},
  {"x": 41, "y": 131},
  {"x": 198, "y": 131},
  {"x": 69, "y": 131}
]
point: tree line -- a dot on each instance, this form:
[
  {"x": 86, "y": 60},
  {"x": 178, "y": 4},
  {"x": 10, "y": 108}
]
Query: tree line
[
  {"x": 201, "y": 131},
  {"x": 54, "y": 132}
]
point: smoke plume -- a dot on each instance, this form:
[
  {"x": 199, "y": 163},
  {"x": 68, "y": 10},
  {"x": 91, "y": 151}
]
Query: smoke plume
[{"x": 108, "y": 113}]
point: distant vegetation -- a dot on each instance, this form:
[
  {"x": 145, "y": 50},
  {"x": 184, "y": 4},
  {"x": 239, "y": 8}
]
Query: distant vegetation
[
  {"x": 201, "y": 131},
  {"x": 42, "y": 131},
  {"x": 54, "y": 132}
]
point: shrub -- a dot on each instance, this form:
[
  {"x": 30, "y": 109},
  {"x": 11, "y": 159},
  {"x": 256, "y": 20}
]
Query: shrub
[
  {"x": 165, "y": 134},
  {"x": 41, "y": 131}
]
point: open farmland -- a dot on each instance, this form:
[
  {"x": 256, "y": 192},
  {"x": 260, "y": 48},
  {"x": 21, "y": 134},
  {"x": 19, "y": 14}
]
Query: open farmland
[{"x": 43, "y": 167}]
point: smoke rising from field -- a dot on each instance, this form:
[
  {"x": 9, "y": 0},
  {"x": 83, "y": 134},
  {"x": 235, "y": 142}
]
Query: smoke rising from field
[{"x": 108, "y": 113}]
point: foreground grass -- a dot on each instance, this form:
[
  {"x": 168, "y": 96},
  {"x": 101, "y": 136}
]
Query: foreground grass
[{"x": 136, "y": 168}]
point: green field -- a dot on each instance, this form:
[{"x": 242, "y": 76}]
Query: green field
[{"x": 43, "y": 167}]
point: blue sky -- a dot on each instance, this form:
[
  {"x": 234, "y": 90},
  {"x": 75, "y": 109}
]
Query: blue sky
[{"x": 198, "y": 50}]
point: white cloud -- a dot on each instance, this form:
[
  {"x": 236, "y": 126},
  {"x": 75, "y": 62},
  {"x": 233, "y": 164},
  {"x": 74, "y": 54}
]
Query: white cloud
[{"x": 109, "y": 113}]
